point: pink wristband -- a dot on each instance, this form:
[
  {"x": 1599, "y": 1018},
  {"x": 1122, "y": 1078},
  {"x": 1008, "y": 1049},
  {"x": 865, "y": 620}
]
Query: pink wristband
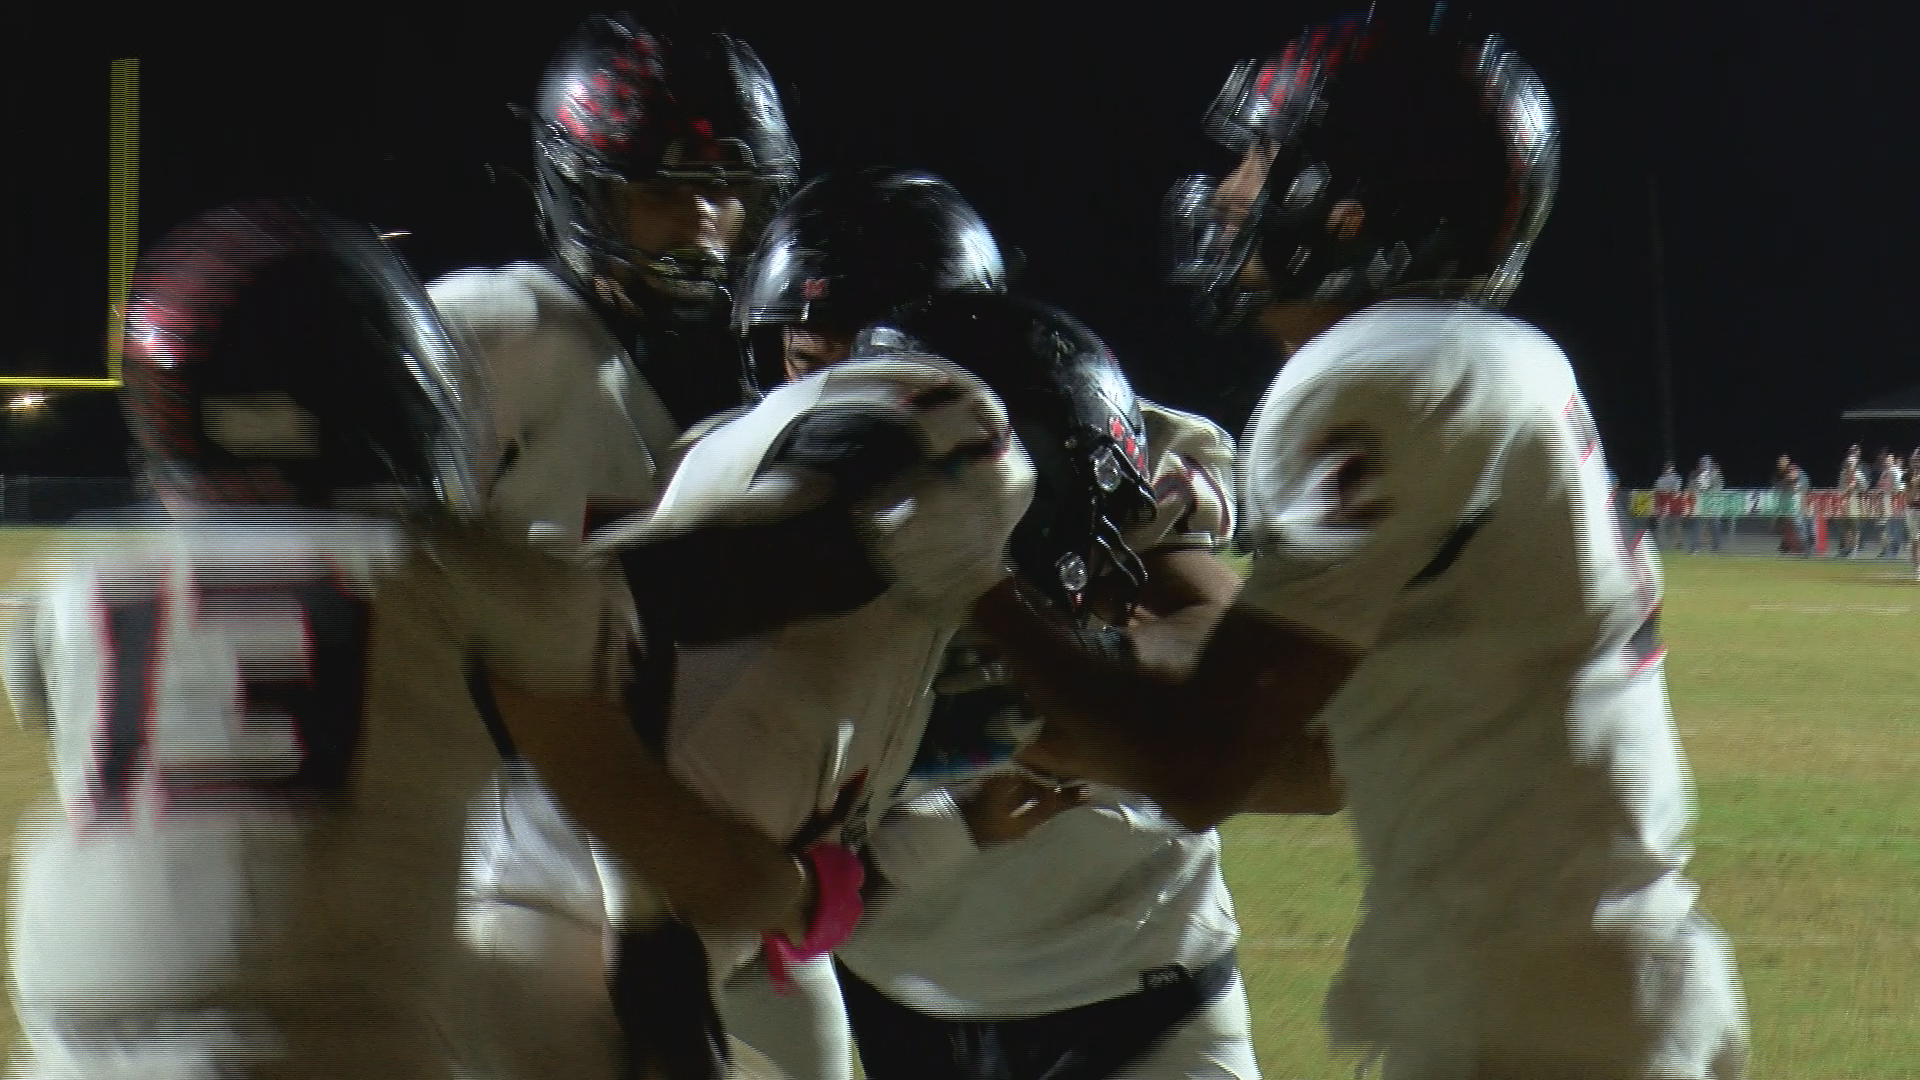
[{"x": 837, "y": 877}]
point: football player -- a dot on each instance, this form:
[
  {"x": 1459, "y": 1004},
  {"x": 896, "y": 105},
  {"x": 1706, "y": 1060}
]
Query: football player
[
  {"x": 262, "y": 741},
  {"x": 1438, "y": 586},
  {"x": 940, "y": 502},
  {"x": 851, "y": 249},
  {"x": 657, "y": 161},
  {"x": 1035, "y": 927},
  {"x": 899, "y": 483},
  {"x": 847, "y": 250},
  {"x": 855, "y": 247},
  {"x": 269, "y": 717}
]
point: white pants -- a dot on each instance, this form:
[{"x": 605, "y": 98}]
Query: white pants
[
  {"x": 1675, "y": 1013},
  {"x": 804, "y": 1033},
  {"x": 487, "y": 1036},
  {"x": 1215, "y": 1044}
]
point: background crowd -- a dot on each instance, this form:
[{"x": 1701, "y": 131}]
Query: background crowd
[{"x": 1872, "y": 507}]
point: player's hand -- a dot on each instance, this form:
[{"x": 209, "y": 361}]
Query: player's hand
[{"x": 1009, "y": 806}]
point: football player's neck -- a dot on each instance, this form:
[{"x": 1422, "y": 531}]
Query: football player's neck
[{"x": 1290, "y": 324}]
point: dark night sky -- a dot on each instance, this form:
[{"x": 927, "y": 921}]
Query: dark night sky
[{"x": 1781, "y": 145}]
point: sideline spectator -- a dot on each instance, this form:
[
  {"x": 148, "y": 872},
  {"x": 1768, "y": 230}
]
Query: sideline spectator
[
  {"x": 1913, "y": 509},
  {"x": 1706, "y": 484},
  {"x": 1789, "y": 484},
  {"x": 1892, "y": 486},
  {"x": 1852, "y": 485},
  {"x": 1666, "y": 496}
]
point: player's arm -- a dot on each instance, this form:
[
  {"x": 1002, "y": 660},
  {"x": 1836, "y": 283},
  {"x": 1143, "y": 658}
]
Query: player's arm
[
  {"x": 785, "y": 550},
  {"x": 1359, "y": 485},
  {"x": 1189, "y": 591},
  {"x": 1199, "y": 715},
  {"x": 717, "y": 871},
  {"x": 922, "y": 839},
  {"x": 871, "y": 476}
]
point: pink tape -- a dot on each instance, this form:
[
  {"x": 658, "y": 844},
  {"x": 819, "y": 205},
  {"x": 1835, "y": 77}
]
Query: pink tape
[{"x": 837, "y": 877}]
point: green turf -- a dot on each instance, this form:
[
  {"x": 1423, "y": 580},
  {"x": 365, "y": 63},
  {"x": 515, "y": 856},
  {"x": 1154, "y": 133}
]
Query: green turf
[{"x": 1797, "y": 688}]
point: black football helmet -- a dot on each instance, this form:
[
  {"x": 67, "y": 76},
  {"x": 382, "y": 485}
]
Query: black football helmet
[
  {"x": 620, "y": 105},
  {"x": 280, "y": 356},
  {"x": 1409, "y": 158},
  {"x": 849, "y": 249},
  {"x": 1075, "y": 413}
]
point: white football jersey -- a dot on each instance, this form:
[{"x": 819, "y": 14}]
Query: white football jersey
[
  {"x": 1424, "y": 482},
  {"x": 1091, "y": 904},
  {"x": 804, "y": 730},
  {"x": 1087, "y": 907},
  {"x": 582, "y": 439},
  {"x": 265, "y": 751},
  {"x": 582, "y": 436}
]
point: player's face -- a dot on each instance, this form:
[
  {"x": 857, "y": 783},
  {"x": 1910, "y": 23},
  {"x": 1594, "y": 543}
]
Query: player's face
[
  {"x": 808, "y": 351},
  {"x": 1235, "y": 197},
  {"x": 695, "y": 224}
]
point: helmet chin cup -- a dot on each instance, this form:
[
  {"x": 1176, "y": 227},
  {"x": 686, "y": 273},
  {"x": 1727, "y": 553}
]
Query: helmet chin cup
[{"x": 1207, "y": 246}]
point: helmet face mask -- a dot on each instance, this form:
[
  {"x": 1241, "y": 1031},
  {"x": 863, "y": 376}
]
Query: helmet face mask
[
  {"x": 601, "y": 220},
  {"x": 620, "y": 110},
  {"x": 1404, "y": 163}
]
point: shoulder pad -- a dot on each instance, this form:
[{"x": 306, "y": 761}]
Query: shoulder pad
[
  {"x": 486, "y": 301},
  {"x": 510, "y": 298}
]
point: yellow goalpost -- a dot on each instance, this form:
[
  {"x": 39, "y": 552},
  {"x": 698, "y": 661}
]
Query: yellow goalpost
[{"x": 123, "y": 219}]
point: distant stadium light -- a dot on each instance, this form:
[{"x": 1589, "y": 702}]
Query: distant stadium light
[{"x": 27, "y": 402}]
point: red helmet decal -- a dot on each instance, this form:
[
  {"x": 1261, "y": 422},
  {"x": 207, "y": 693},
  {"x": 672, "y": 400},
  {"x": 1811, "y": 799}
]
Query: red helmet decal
[
  {"x": 1317, "y": 54},
  {"x": 605, "y": 107},
  {"x": 181, "y": 291}
]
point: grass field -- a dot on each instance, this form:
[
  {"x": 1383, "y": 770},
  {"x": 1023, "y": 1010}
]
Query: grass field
[{"x": 1797, "y": 689}]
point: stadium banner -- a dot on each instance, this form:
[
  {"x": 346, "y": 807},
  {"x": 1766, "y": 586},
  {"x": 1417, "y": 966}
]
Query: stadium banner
[{"x": 1820, "y": 505}]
